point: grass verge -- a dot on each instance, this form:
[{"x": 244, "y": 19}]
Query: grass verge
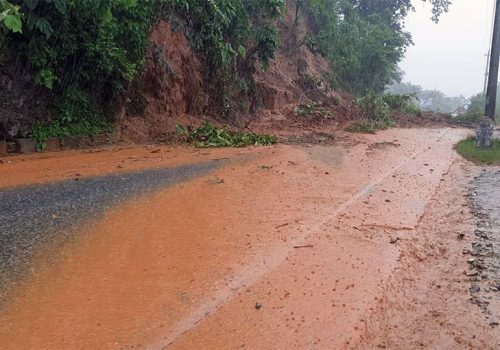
[{"x": 490, "y": 156}]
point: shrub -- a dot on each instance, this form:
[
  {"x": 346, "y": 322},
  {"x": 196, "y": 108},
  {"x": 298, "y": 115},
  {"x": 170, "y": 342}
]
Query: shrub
[
  {"x": 76, "y": 114},
  {"x": 374, "y": 107}
]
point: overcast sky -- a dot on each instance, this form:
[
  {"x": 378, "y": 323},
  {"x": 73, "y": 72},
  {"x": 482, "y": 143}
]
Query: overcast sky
[{"x": 449, "y": 56}]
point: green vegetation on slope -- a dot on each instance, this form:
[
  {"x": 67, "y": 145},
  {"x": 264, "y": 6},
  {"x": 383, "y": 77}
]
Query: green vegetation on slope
[
  {"x": 230, "y": 37},
  {"x": 87, "y": 53},
  {"x": 378, "y": 111},
  {"x": 467, "y": 149}
]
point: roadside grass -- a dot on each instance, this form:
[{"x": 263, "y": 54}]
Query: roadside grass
[{"x": 490, "y": 156}]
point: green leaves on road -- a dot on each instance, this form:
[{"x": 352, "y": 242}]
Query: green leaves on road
[{"x": 208, "y": 135}]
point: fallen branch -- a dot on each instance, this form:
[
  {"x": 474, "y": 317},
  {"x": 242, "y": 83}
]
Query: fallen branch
[
  {"x": 304, "y": 246},
  {"x": 283, "y": 225}
]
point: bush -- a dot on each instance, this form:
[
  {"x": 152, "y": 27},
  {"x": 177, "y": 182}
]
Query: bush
[
  {"x": 76, "y": 114},
  {"x": 412, "y": 108},
  {"x": 374, "y": 107},
  {"x": 376, "y": 112}
]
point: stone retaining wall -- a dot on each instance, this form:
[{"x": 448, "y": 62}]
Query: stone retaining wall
[{"x": 58, "y": 144}]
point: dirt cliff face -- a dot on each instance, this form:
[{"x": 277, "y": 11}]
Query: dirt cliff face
[
  {"x": 172, "y": 87},
  {"x": 297, "y": 75}
]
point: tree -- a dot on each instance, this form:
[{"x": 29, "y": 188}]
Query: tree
[{"x": 364, "y": 40}]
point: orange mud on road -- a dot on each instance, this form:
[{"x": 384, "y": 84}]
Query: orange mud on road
[{"x": 287, "y": 247}]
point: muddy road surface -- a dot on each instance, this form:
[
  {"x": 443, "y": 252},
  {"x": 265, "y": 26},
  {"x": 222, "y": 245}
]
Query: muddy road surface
[{"x": 354, "y": 246}]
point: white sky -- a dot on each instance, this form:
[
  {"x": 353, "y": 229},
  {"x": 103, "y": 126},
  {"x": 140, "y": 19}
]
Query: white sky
[{"x": 449, "y": 56}]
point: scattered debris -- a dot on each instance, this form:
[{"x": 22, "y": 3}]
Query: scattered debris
[
  {"x": 208, "y": 135},
  {"x": 304, "y": 246},
  {"x": 475, "y": 289},
  {"x": 215, "y": 181},
  {"x": 282, "y": 225},
  {"x": 472, "y": 272}
]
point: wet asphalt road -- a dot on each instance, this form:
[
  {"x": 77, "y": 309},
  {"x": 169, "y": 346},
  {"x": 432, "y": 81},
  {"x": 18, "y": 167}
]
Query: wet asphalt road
[{"x": 33, "y": 217}]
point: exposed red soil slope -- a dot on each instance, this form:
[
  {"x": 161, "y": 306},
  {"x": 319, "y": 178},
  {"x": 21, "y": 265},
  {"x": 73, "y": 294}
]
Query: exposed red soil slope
[{"x": 173, "y": 86}]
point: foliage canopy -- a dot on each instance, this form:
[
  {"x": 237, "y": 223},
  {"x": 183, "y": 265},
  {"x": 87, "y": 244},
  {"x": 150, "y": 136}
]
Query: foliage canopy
[{"x": 364, "y": 40}]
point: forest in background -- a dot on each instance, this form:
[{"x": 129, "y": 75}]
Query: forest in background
[
  {"x": 430, "y": 100},
  {"x": 81, "y": 58}
]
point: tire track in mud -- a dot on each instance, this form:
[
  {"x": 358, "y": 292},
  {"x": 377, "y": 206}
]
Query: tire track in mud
[
  {"x": 255, "y": 271},
  {"x": 33, "y": 218}
]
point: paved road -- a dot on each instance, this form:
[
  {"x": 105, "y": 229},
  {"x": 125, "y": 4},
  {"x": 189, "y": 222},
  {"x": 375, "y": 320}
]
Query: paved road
[
  {"x": 33, "y": 217},
  {"x": 296, "y": 247}
]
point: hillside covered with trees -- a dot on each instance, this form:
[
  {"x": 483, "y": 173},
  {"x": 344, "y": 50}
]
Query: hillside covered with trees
[
  {"x": 431, "y": 100},
  {"x": 76, "y": 67}
]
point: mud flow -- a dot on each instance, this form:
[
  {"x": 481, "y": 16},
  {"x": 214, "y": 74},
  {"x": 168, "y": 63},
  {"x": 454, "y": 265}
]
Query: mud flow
[{"x": 357, "y": 245}]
